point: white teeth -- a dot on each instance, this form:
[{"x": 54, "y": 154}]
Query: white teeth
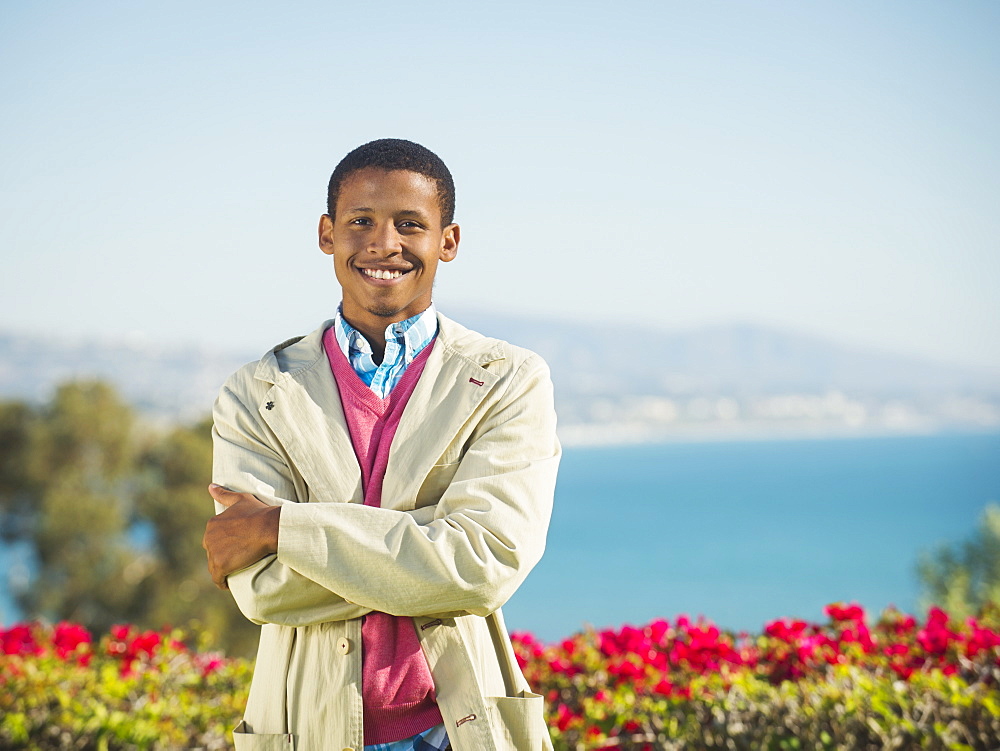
[{"x": 382, "y": 273}]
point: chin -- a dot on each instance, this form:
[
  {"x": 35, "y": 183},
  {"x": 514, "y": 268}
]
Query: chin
[{"x": 384, "y": 311}]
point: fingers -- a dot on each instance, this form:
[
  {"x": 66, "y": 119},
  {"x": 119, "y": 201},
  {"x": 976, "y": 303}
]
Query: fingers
[
  {"x": 213, "y": 569},
  {"x": 220, "y": 579},
  {"x": 230, "y": 536},
  {"x": 217, "y": 576},
  {"x": 226, "y": 497}
]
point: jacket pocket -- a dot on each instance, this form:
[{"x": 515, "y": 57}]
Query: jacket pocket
[
  {"x": 247, "y": 741},
  {"x": 520, "y": 720}
]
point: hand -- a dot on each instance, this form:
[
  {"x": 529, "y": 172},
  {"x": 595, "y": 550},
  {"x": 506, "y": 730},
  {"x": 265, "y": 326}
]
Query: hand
[{"x": 241, "y": 535}]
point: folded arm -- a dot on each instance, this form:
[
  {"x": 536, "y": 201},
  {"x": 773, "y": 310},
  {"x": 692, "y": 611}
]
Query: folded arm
[
  {"x": 266, "y": 591},
  {"x": 467, "y": 554},
  {"x": 487, "y": 531}
]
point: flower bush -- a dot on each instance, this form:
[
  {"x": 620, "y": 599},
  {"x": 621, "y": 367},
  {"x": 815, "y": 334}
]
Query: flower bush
[
  {"x": 844, "y": 684},
  {"x": 840, "y": 685},
  {"x": 59, "y": 689}
]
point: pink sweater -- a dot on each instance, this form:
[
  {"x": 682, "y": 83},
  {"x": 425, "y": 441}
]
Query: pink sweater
[{"x": 396, "y": 684}]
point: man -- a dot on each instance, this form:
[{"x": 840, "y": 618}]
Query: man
[{"x": 385, "y": 484}]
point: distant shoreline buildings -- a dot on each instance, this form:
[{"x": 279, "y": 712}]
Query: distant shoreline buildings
[
  {"x": 648, "y": 419},
  {"x": 734, "y": 382}
]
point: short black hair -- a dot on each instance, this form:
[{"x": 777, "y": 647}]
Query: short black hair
[{"x": 396, "y": 154}]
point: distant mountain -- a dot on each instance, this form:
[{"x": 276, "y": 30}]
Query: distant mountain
[
  {"x": 737, "y": 359},
  {"x": 174, "y": 382},
  {"x": 642, "y": 383}
]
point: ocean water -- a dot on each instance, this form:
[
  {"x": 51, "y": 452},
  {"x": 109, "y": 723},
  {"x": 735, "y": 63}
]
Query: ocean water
[{"x": 745, "y": 532}]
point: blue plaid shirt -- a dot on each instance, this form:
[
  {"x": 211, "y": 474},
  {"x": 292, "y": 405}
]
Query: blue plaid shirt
[
  {"x": 433, "y": 739},
  {"x": 403, "y": 342}
]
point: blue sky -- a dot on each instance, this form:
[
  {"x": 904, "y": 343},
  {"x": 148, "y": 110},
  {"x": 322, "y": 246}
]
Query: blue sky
[{"x": 825, "y": 167}]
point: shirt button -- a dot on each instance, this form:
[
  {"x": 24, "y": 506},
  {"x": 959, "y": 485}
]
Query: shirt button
[{"x": 344, "y": 645}]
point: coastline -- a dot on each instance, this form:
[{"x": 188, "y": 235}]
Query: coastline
[{"x": 600, "y": 435}]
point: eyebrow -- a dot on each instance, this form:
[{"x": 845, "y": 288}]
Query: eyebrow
[{"x": 414, "y": 213}]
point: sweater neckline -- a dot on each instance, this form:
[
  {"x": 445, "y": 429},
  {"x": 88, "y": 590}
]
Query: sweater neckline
[{"x": 342, "y": 368}]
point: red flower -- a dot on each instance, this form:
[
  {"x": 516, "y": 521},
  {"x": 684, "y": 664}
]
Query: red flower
[
  {"x": 859, "y": 634},
  {"x": 625, "y": 670},
  {"x": 19, "y": 640},
  {"x": 565, "y": 717},
  {"x": 607, "y": 642},
  {"x": 903, "y": 671},
  {"x": 786, "y": 629},
  {"x": 127, "y": 669},
  {"x": 658, "y": 631},
  {"x": 209, "y": 663},
  {"x": 67, "y": 637},
  {"x": 935, "y": 637},
  {"x": 146, "y": 643},
  {"x": 898, "y": 623},
  {"x": 559, "y": 665},
  {"x": 980, "y": 640},
  {"x": 664, "y": 688},
  {"x": 841, "y": 612}
]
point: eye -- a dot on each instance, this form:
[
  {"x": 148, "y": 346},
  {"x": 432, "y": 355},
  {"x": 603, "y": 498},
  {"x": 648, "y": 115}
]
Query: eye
[
  {"x": 410, "y": 224},
  {"x": 361, "y": 221}
]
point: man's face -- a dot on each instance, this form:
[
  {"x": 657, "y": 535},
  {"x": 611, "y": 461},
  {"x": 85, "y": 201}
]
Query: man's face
[{"x": 386, "y": 240}]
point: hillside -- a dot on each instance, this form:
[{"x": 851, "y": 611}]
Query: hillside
[{"x": 612, "y": 384}]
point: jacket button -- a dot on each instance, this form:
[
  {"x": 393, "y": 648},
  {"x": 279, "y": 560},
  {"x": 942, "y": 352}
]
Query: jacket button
[{"x": 344, "y": 646}]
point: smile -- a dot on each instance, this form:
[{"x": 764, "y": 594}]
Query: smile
[{"x": 383, "y": 273}]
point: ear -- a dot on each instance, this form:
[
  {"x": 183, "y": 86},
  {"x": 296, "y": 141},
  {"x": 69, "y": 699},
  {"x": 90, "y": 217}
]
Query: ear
[
  {"x": 449, "y": 242},
  {"x": 326, "y": 234}
]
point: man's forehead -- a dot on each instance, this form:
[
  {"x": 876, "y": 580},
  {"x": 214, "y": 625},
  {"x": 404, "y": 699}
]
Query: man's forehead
[
  {"x": 369, "y": 175},
  {"x": 371, "y": 188}
]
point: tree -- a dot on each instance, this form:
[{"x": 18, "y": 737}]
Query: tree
[
  {"x": 111, "y": 514},
  {"x": 74, "y": 505},
  {"x": 176, "y": 503},
  {"x": 964, "y": 578},
  {"x": 17, "y": 421}
]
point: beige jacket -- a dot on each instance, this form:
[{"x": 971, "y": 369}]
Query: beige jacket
[{"x": 465, "y": 508}]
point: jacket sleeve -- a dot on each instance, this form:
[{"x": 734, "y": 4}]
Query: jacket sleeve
[
  {"x": 246, "y": 460},
  {"x": 488, "y": 529}
]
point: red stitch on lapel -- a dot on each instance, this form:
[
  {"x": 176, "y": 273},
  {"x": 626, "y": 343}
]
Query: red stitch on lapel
[{"x": 473, "y": 380}]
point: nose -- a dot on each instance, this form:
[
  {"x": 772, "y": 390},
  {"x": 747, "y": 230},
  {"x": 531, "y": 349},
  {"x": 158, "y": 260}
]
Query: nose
[{"x": 385, "y": 240}]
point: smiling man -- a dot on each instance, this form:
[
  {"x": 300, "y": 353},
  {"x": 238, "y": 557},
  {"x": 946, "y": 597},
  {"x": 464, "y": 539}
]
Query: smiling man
[{"x": 383, "y": 485}]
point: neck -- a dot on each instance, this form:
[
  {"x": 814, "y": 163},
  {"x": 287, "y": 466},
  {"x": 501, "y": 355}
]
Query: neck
[
  {"x": 372, "y": 328},
  {"x": 375, "y": 337}
]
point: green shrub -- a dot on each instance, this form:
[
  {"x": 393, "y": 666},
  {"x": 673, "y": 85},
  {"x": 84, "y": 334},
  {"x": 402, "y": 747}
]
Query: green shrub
[
  {"x": 145, "y": 690},
  {"x": 682, "y": 685}
]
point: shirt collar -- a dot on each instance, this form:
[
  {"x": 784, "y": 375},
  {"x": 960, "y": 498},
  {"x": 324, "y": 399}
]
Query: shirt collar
[{"x": 411, "y": 335}]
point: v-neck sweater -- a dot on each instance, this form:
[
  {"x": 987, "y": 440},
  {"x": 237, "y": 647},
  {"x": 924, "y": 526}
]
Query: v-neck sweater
[{"x": 396, "y": 684}]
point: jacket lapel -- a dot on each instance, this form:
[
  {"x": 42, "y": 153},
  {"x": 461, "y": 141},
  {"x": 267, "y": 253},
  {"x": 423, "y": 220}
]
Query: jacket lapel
[
  {"x": 307, "y": 417},
  {"x": 450, "y": 389}
]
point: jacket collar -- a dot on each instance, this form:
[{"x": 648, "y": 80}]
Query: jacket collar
[
  {"x": 303, "y": 352},
  {"x": 307, "y": 416}
]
